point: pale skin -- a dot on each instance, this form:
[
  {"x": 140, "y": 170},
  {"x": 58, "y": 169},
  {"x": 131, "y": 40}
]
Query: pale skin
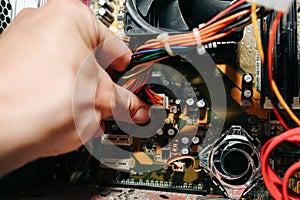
[{"x": 40, "y": 53}]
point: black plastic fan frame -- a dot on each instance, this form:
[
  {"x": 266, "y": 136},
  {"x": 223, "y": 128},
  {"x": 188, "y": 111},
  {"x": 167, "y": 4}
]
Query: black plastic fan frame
[{"x": 173, "y": 16}]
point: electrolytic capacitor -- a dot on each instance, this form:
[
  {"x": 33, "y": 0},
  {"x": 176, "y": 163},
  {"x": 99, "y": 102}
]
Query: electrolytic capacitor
[
  {"x": 196, "y": 140},
  {"x": 106, "y": 4},
  {"x": 172, "y": 131},
  {"x": 185, "y": 140},
  {"x": 247, "y": 93},
  {"x": 177, "y": 101},
  {"x": 248, "y": 78},
  {"x": 190, "y": 101},
  {"x": 160, "y": 131},
  {"x": 201, "y": 103},
  {"x": 185, "y": 150},
  {"x": 103, "y": 12},
  {"x": 104, "y": 21}
]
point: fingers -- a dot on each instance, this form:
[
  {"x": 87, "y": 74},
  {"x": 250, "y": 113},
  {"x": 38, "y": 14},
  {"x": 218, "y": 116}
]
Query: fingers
[
  {"x": 128, "y": 107},
  {"x": 112, "y": 52},
  {"x": 119, "y": 103},
  {"x": 23, "y": 13}
]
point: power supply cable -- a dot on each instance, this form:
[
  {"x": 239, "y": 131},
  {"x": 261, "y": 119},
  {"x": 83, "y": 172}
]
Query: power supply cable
[
  {"x": 256, "y": 32},
  {"x": 278, "y": 188},
  {"x": 273, "y": 85}
]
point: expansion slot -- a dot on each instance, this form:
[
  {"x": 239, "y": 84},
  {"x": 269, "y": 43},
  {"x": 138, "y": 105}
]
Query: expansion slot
[
  {"x": 120, "y": 140},
  {"x": 121, "y": 164}
]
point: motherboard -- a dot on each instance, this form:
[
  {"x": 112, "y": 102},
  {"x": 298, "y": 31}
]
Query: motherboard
[
  {"x": 211, "y": 114},
  {"x": 192, "y": 145}
]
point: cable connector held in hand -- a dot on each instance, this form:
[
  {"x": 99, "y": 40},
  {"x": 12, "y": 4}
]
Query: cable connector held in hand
[
  {"x": 164, "y": 38},
  {"x": 277, "y": 5}
]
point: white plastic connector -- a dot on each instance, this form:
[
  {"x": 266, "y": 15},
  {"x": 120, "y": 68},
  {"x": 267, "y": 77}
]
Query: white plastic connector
[
  {"x": 278, "y": 5},
  {"x": 296, "y": 103},
  {"x": 164, "y": 38},
  {"x": 268, "y": 103},
  {"x": 200, "y": 47}
]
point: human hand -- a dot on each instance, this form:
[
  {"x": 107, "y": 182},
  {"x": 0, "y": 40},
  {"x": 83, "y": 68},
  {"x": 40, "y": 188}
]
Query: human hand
[{"x": 42, "y": 52}]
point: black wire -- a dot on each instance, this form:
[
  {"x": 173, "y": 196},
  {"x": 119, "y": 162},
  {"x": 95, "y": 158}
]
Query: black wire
[
  {"x": 138, "y": 61},
  {"x": 243, "y": 21},
  {"x": 289, "y": 122},
  {"x": 242, "y": 7}
]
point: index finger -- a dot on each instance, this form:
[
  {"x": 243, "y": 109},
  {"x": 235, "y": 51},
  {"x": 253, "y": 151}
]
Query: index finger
[{"x": 111, "y": 52}]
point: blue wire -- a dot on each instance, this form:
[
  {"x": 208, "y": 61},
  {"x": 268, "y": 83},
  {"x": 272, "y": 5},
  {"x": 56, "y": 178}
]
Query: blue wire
[
  {"x": 148, "y": 51},
  {"x": 160, "y": 49}
]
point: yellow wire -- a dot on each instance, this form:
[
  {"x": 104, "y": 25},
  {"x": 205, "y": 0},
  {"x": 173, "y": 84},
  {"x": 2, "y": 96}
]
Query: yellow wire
[
  {"x": 283, "y": 103},
  {"x": 128, "y": 84},
  {"x": 136, "y": 73},
  {"x": 171, "y": 161},
  {"x": 256, "y": 32}
]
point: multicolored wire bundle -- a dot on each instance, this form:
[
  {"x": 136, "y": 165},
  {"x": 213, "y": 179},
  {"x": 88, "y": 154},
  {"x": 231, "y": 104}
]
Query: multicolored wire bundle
[{"x": 234, "y": 18}]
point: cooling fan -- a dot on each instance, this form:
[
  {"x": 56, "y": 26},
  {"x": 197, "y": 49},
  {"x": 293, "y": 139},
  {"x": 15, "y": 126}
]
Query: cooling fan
[{"x": 155, "y": 16}]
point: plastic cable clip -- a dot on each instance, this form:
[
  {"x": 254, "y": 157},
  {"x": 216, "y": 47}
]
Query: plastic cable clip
[
  {"x": 164, "y": 38},
  {"x": 200, "y": 47},
  {"x": 201, "y": 26},
  {"x": 278, "y": 5}
]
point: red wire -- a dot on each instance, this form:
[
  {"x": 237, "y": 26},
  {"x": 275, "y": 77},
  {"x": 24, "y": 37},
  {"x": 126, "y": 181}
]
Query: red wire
[
  {"x": 288, "y": 174},
  {"x": 155, "y": 99},
  {"x": 280, "y": 119},
  {"x": 136, "y": 85},
  {"x": 224, "y": 12},
  {"x": 143, "y": 83},
  {"x": 156, "y": 95},
  {"x": 272, "y": 181},
  {"x": 276, "y": 187}
]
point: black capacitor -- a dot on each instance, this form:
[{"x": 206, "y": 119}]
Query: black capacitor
[
  {"x": 202, "y": 104},
  {"x": 185, "y": 150},
  {"x": 160, "y": 131},
  {"x": 172, "y": 131},
  {"x": 196, "y": 140},
  {"x": 106, "y": 14},
  {"x": 247, "y": 93},
  {"x": 247, "y": 85},
  {"x": 104, "y": 21},
  {"x": 248, "y": 78},
  {"x": 106, "y": 4}
]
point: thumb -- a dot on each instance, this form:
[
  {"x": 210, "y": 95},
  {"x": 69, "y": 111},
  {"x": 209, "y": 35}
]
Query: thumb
[
  {"x": 119, "y": 103},
  {"x": 128, "y": 107}
]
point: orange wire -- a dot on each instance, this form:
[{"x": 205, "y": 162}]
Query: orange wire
[
  {"x": 225, "y": 11},
  {"x": 189, "y": 38},
  {"x": 153, "y": 99},
  {"x": 155, "y": 94},
  {"x": 128, "y": 83}
]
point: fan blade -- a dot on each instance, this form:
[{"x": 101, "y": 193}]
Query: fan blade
[
  {"x": 171, "y": 17},
  {"x": 144, "y": 6}
]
